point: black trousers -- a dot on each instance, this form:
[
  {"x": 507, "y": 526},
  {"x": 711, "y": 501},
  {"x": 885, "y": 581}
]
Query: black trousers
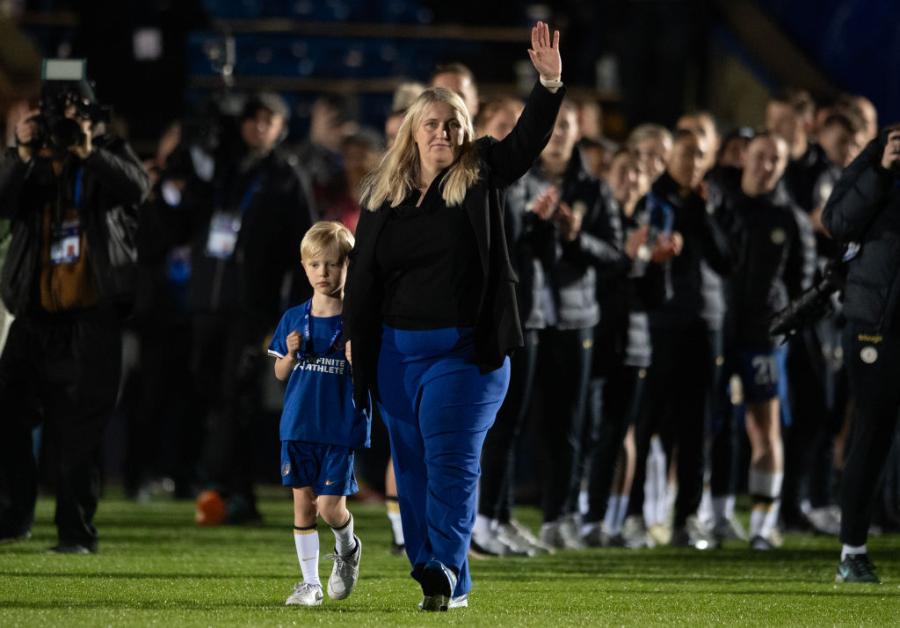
[
  {"x": 498, "y": 457},
  {"x": 563, "y": 371},
  {"x": 163, "y": 433},
  {"x": 614, "y": 401},
  {"x": 873, "y": 365},
  {"x": 228, "y": 354},
  {"x": 62, "y": 369},
  {"x": 678, "y": 384}
]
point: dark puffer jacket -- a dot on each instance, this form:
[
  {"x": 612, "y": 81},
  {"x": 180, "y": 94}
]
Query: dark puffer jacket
[{"x": 865, "y": 208}]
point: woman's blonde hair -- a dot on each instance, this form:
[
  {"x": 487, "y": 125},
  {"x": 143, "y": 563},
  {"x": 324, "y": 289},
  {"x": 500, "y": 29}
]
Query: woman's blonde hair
[
  {"x": 398, "y": 172},
  {"x": 326, "y": 235}
]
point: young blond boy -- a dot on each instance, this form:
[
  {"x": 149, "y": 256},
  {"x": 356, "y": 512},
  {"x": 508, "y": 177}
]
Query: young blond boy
[{"x": 320, "y": 427}]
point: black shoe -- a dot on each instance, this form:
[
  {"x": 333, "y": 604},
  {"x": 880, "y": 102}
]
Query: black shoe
[
  {"x": 856, "y": 568},
  {"x": 14, "y": 536},
  {"x": 438, "y": 583},
  {"x": 72, "y": 548},
  {"x": 761, "y": 543}
]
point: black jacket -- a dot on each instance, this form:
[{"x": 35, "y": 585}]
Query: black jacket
[
  {"x": 498, "y": 330},
  {"x": 771, "y": 265},
  {"x": 114, "y": 180},
  {"x": 625, "y": 290},
  {"x": 865, "y": 208},
  {"x": 568, "y": 269},
  {"x": 694, "y": 276},
  {"x": 274, "y": 219}
]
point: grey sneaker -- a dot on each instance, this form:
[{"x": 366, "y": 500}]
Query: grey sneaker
[
  {"x": 570, "y": 532},
  {"x": 345, "y": 572},
  {"x": 305, "y": 594},
  {"x": 729, "y": 529}
]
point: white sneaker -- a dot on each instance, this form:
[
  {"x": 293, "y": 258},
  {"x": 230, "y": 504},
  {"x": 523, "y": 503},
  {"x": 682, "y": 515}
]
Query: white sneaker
[
  {"x": 460, "y": 601},
  {"x": 524, "y": 537},
  {"x": 345, "y": 572},
  {"x": 517, "y": 546},
  {"x": 305, "y": 594},
  {"x": 488, "y": 544},
  {"x": 634, "y": 531}
]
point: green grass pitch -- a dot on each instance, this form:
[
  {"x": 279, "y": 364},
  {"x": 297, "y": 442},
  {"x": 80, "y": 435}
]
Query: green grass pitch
[{"x": 156, "y": 568}]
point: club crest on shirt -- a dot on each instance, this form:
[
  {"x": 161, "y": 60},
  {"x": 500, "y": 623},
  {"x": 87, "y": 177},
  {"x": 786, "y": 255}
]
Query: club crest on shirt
[
  {"x": 778, "y": 236},
  {"x": 286, "y": 468},
  {"x": 868, "y": 355}
]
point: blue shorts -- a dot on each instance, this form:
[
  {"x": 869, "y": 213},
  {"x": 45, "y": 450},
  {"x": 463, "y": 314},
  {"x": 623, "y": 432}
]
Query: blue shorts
[
  {"x": 327, "y": 469},
  {"x": 759, "y": 373}
]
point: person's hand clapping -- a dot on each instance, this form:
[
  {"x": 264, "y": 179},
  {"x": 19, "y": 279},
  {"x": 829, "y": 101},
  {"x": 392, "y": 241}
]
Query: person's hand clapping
[
  {"x": 569, "y": 222},
  {"x": 544, "y": 54},
  {"x": 667, "y": 247},
  {"x": 545, "y": 204}
]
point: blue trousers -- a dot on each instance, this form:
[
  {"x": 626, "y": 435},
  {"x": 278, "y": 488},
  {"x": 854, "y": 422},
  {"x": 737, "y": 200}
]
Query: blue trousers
[{"x": 437, "y": 407}]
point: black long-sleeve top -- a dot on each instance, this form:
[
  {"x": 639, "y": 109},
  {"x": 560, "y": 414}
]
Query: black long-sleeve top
[
  {"x": 771, "y": 265},
  {"x": 428, "y": 262},
  {"x": 694, "y": 276}
]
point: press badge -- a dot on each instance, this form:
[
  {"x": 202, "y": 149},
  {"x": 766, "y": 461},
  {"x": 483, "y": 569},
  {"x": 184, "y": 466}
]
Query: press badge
[
  {"x": 65, "y": 245},
  {"x": 223, "y": 234}
]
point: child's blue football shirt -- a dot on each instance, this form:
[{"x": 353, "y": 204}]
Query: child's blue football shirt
[{"x": 318, "y": 400}]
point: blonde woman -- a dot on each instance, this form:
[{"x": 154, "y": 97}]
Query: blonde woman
[{"x": 430, "y": 309}]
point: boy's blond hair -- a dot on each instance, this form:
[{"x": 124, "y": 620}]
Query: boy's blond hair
[{"x": 326, "y": 235}]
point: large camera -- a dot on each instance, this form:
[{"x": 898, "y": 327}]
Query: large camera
[
  {"x": 814, "y": 304},
  {"x": 65, "y": 91}
]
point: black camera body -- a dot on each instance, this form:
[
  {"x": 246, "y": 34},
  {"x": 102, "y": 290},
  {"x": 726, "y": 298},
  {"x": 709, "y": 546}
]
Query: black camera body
[
  {"x": 65, "y": 89},
  {"x": 813, "y": 305}
]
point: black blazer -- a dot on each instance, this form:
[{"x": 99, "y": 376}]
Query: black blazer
[{"x": 497, "y": 331}]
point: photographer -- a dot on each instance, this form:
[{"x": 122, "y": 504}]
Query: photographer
[
  {"x": 865, "y": 208},
  {"x": 61, "y": 187},
  {"x": 245, "y": 221}
]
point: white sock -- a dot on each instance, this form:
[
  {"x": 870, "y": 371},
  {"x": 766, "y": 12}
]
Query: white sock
[
  {"x": 307, "y": 544},
  {"x": 723, "y": 508},
  {"x": 765, "y": 483},
  {"x": 393, "y": 513},
  {"x": 483, "y": 526},
  {"x": 612, "y": 508},
  {"x": 848, "y": 550},
  {"x": 757, "y": 519},
  {"x": 771, "y": 519},
  {"x": 621, "y": 511},
  {"x": 343, "y": 538}
]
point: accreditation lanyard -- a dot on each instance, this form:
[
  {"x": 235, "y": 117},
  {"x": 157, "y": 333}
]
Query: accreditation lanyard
[
  {"x": 225, "y": 225},
  {"x": 305, "y": 330},
  {"x": 65, "y": 232}
]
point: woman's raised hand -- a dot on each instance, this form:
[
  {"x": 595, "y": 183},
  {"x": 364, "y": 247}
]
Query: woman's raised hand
[{"x": 544, "y": 54}]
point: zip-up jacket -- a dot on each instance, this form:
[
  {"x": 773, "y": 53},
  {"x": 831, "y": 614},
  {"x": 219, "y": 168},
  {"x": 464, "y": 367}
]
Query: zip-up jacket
[
  {"x": 113, "y": 180},
  {"x": 693, "y": 277},
  {"x": 865, "y": 208}
]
